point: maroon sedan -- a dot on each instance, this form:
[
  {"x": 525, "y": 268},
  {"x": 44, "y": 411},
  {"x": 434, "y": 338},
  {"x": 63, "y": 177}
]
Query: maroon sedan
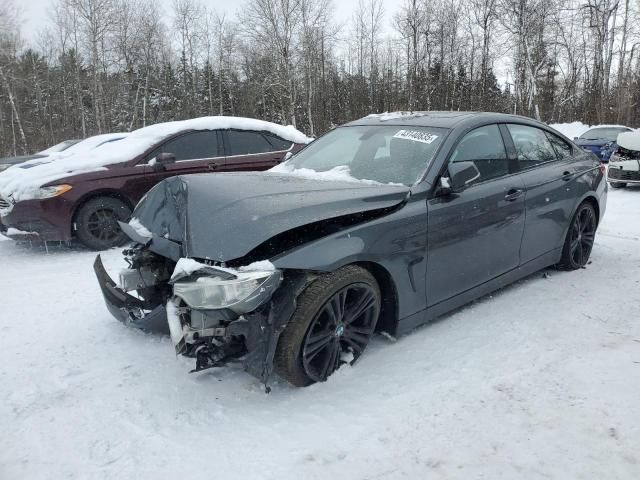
[{"x": 84, "y": 198}]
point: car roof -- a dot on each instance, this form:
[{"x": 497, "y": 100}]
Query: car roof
[{"x": 441, "y": 119}]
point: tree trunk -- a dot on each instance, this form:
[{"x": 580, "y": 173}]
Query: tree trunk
[{"x": 14, "y": 110}]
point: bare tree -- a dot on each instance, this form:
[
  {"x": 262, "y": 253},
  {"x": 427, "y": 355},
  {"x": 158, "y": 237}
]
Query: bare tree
[
  {"x": 9, "y": 39},
  {"x": 274, "y": 23}
]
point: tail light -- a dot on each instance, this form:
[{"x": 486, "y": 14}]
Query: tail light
[{"x": 603, "y": 169}]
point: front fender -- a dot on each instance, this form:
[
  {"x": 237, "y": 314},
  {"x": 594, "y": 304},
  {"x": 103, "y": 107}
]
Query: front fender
[
  {"x": 324, "y": 255},
  {"x": 395, "y": 243}
]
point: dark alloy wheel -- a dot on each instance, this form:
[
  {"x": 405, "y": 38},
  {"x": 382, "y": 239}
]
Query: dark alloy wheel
[
  {"x": 97, "y": 222},
  {"x": 580, "y": 238},
  {"x": 334, "y": 320},
  {"x": 340, "y": 331}
]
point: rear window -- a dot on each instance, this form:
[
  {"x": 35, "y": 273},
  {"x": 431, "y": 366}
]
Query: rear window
[
  {"x": 276, "y": 142},
  {"x": 532, "y": 146},
  {"x": 247, "y": 143},
  {"x": 562, "y": 148}
]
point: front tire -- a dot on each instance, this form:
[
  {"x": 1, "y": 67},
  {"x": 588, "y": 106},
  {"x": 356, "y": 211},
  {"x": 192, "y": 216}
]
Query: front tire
[
  {"x": 97, "y": 222},
  {"x": 580, "y": 237},
  {"x": 334, "y": 320}
]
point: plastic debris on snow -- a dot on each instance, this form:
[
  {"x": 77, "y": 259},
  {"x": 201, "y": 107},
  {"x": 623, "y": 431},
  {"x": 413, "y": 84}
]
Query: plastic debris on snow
[
  {"x": 14, "y": 231},
  {"x": 23, "y": 183}
]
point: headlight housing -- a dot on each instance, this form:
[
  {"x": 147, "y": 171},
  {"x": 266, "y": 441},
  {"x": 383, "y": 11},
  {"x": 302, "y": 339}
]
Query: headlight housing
[
  {"x": 53, "y": 191},
  {"x": 242, "y": 294}
]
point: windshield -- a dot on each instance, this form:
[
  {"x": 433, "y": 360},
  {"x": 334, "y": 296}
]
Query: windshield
[
  {"x": 384, "y": 154},
  {"x": 59, "y": 147},
  {"x": 608, "y": 133},
  {"x": 96, "y": 141}
]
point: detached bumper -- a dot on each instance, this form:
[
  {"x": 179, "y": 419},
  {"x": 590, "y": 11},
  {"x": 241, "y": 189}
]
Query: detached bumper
[{"x": 128, "y": 309}]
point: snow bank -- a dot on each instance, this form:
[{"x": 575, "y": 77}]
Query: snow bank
[
  {"x": 23, "y": 183},
  {"x": 570, "y": 130},
  {"x": 575, "y": 129}
]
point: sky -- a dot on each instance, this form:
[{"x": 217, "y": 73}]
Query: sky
[{"x": 35, "y": 13}]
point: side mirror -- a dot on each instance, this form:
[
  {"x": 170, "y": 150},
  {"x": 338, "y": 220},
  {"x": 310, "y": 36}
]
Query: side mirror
[
  {"x": 462, "y": 174},
  {"x": 162, "y": 160}
]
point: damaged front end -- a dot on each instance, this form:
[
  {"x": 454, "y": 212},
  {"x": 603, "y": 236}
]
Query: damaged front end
[
  {"x": 179, "y": 280},
  {"x": 214, "y": 314}
]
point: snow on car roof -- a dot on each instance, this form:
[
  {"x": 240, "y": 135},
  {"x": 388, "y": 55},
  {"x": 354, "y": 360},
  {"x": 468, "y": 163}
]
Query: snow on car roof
[{"x": 23, "y": 181}]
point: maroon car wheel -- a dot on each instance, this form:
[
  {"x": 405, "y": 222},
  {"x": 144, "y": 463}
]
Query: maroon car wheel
[{"x": 97, "y": 222}]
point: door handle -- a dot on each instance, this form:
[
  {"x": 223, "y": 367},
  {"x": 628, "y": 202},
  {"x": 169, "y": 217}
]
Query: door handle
[
  {"x": 566, "y": 176},
  {"x": 513, "y": 194},
  {"x": 213, "y": 166}
]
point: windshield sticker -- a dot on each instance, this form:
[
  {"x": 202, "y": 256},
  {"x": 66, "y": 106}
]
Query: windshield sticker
[{"x": 416, "y": 136}]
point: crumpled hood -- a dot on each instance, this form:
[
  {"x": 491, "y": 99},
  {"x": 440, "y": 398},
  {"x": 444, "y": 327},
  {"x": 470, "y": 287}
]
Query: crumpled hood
[{"x": 224, "y": 216}]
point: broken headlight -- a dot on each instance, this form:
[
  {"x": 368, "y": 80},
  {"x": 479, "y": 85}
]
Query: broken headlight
[{"x": 241, "y": 294}]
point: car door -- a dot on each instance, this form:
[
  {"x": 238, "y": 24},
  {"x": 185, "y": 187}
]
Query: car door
[
  {"x": 547, "y": 168},
  {"x": 196, "y": 152},
  {"x": 475, "y": 235},
  {"x": 250, "y": 150}
]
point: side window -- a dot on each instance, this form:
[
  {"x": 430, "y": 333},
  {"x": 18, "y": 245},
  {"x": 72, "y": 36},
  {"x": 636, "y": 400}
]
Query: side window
[
  {"x": 562, "y": 148},
  {"x": 190, "y": 146},
  {"x": 485, "y": 149},
  {"x": 276, "y": 142},
  {"x": 532, "y": 146},
  {"x": 247, "y": 142}
]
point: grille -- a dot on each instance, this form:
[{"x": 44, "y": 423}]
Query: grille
[
  {"x": 629, "y": 175},
  {"x": 4, "y": 203}
]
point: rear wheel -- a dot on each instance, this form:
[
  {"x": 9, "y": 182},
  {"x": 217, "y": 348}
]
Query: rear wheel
[
  {"x": 617, "y": 184},
  {"x": 97, "y": 222},
  {"x": 333, "y": 322},
  {"x": 580, "y": 238}
]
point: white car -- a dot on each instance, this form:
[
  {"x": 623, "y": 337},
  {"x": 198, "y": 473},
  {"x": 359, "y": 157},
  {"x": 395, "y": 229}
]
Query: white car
[{"x": 624, "y": 163}]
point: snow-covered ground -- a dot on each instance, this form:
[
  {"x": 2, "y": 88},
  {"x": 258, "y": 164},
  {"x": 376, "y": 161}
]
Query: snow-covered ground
[{"x": 541, "y": 380}]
